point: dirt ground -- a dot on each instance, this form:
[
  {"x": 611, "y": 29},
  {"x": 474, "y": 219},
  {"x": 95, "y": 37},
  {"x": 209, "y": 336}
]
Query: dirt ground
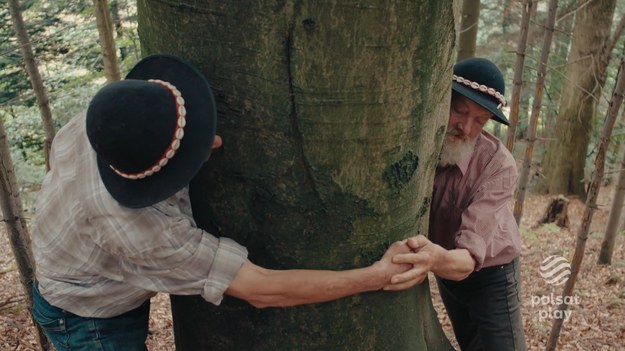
[{"x": 596, "y": 319}]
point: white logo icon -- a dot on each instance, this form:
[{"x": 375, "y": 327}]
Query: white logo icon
[{"x": 555, "y": 270}]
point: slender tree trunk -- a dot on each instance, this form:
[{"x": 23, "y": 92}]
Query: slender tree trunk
[
  {"x": 332, "y": 115},
  {"x": 517, "y": 81},
  {"x": 11, "y": 203},
  {"x": 538, "y": 99},
  {"x": 565, "y": 158},
  {"x": 15, "y": 223},
  {"x": 607, "y": 245},
  {"x": 14, "y": 216},
  {"x": 612, "y": 227},
  {"x": 105, "y": 31},
  {"x": 119, "y": 28},
  {"x": 591, "y": 202},
  {"x": 468, "y": 29},
  {"x": 35, "y": 77}
]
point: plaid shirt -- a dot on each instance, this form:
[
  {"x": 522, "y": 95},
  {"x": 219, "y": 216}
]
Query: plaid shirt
[
  {"x": 470, "y": 205},
  {"x": 96, "y": 258}
]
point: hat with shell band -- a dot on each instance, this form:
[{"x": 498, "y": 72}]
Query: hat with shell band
[
  {"x": 152, "y": 131},
  {"x": 480, "y": 80}
]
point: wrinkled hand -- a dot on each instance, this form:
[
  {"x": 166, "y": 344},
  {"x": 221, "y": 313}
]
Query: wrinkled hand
[{"x": 421, "y": 259}]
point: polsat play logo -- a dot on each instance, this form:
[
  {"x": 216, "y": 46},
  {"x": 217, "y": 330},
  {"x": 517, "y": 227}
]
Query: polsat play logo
[{"x": 555, "y": 270}]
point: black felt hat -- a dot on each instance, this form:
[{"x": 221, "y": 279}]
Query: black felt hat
[
  {"x": 153, "y": 130},
  {"x": 481, "y": 81}
]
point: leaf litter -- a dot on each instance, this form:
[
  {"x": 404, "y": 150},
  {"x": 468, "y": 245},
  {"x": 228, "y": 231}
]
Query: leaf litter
[{"x": 594, "y": 320}]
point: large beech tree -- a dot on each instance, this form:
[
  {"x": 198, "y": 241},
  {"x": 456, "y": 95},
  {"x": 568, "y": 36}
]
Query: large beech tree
[
  {"x": 565, "y": 158},
  {"x": 332, "y": 115}
]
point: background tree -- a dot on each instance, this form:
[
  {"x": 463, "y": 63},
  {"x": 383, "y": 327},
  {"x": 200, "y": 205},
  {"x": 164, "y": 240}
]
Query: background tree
[
  {"x": 517, "y": 82},
  {"x": 16, "y": 227},
  {"x": 524, "y": 175},
  {"x": 616, "y": 208},
  {"x": 107, "y": 41},
  {"x": 119, "y": 27},
  {"x": 332, "y": 116},
  {"x": 35, "y": 76},
  {"x": 586, "y": 74},
  {"x": 469, "y": 22},
  {"x": 591, "y": 202}
]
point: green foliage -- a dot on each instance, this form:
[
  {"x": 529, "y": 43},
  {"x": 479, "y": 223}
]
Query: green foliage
[
  {"x": 64, "y": 39},
  {"x": 13, "y": 79},
  {"x": 26, "y": 136}
]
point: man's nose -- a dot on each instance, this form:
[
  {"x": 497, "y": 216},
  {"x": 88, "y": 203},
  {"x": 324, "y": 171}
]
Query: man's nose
[{"x": 465, "y": 126}]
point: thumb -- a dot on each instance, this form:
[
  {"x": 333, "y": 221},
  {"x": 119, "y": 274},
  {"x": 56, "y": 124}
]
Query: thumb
[{"x": 417, "y": 242}]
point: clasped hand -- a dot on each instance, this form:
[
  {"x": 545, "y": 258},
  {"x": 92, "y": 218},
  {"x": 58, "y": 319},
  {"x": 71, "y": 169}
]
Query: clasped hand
[{"x": 413, "y": 258}]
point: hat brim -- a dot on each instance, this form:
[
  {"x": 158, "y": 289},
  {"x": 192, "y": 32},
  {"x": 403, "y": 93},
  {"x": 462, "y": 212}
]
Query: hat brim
[
  {"x": 195, "y": 147},
  {"x": 482, "y": 100}
]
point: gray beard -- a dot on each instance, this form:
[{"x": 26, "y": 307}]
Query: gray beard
[{"x": 454, "y": 150}]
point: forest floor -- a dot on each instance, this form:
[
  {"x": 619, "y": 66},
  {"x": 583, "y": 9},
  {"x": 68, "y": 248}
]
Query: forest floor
[{"x": 597, "y": 312}]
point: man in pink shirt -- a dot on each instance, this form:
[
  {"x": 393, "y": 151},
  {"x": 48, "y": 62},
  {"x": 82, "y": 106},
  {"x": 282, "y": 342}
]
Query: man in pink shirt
[{"x": 474, "y": 242}]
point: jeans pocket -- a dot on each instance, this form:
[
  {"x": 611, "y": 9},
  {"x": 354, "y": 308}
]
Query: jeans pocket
[
  {"x": 53, "y": 324},
  {"x": 54, "y": 327}
]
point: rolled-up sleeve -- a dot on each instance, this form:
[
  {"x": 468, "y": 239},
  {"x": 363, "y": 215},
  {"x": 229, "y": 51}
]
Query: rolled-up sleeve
[
  {"x": 160, "y": 249},
  {"x": 229, "y": 257}
]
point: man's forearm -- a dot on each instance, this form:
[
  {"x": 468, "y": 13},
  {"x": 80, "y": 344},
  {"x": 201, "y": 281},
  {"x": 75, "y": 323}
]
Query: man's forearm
[
  {"x": 454, "y": 264},
  {"x": 298, "y": 287},
  {"x": 281, "y": 288}
]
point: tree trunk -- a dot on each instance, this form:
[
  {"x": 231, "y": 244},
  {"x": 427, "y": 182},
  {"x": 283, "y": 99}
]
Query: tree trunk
[
  {"x": 607, "y": 245},
  {"x": 517, "y": 81},
  {"x": 105, "y": 32},
  {"x": 119, "y": 28},
  {"x": 467, "y": 38},
  {"x": 612, "y": 227},
  {"x": 332, "y": 116},
  {"x": 519, "y": 197},
  {"x": 565, "y": 158},
  {"x": 15, "y": 223},
  {"x": 591, "y": 203},
  {"x": 35, "y": 77},
  {"x": 13, "y": 216}
]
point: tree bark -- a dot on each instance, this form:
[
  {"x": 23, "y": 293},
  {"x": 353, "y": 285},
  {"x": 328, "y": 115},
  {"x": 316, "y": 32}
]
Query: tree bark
[
  {"x": 565, "y": 157},
  {"x": 591, "y": 202},
  {"x": 536, "y": 106},
  {"x": 609, "y": 238},
  {"x": 469, "y": 24},
  {"x": 119, "y": 28},
  {"x": 107, "y": 42},
  {"x": 332, "y": 115},
  {"x": 13, "y": 218},
  {"x": 612, "y": 227},
  {"x": 517, "y": 81},
  {"x": 35, "y": 77}
]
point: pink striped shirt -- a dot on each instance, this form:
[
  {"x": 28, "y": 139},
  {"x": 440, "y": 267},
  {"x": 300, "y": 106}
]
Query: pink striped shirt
[{"x": 469, "y": 205}]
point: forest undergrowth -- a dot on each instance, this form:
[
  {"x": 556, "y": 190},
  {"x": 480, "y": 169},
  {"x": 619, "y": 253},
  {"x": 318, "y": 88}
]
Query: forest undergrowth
[{"x": 594, "y": 320}]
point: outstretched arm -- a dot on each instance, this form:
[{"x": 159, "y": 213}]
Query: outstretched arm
[{"x": 263, "y": 287}]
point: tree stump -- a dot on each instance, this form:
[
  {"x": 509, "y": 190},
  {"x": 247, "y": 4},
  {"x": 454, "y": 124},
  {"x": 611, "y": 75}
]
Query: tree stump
[{"x": 557, "y": 212}]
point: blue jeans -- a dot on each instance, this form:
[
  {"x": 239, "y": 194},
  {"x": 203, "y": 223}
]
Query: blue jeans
[
  {"x": 69, "y": 332},
  {"x": 485, "y": 309}
]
